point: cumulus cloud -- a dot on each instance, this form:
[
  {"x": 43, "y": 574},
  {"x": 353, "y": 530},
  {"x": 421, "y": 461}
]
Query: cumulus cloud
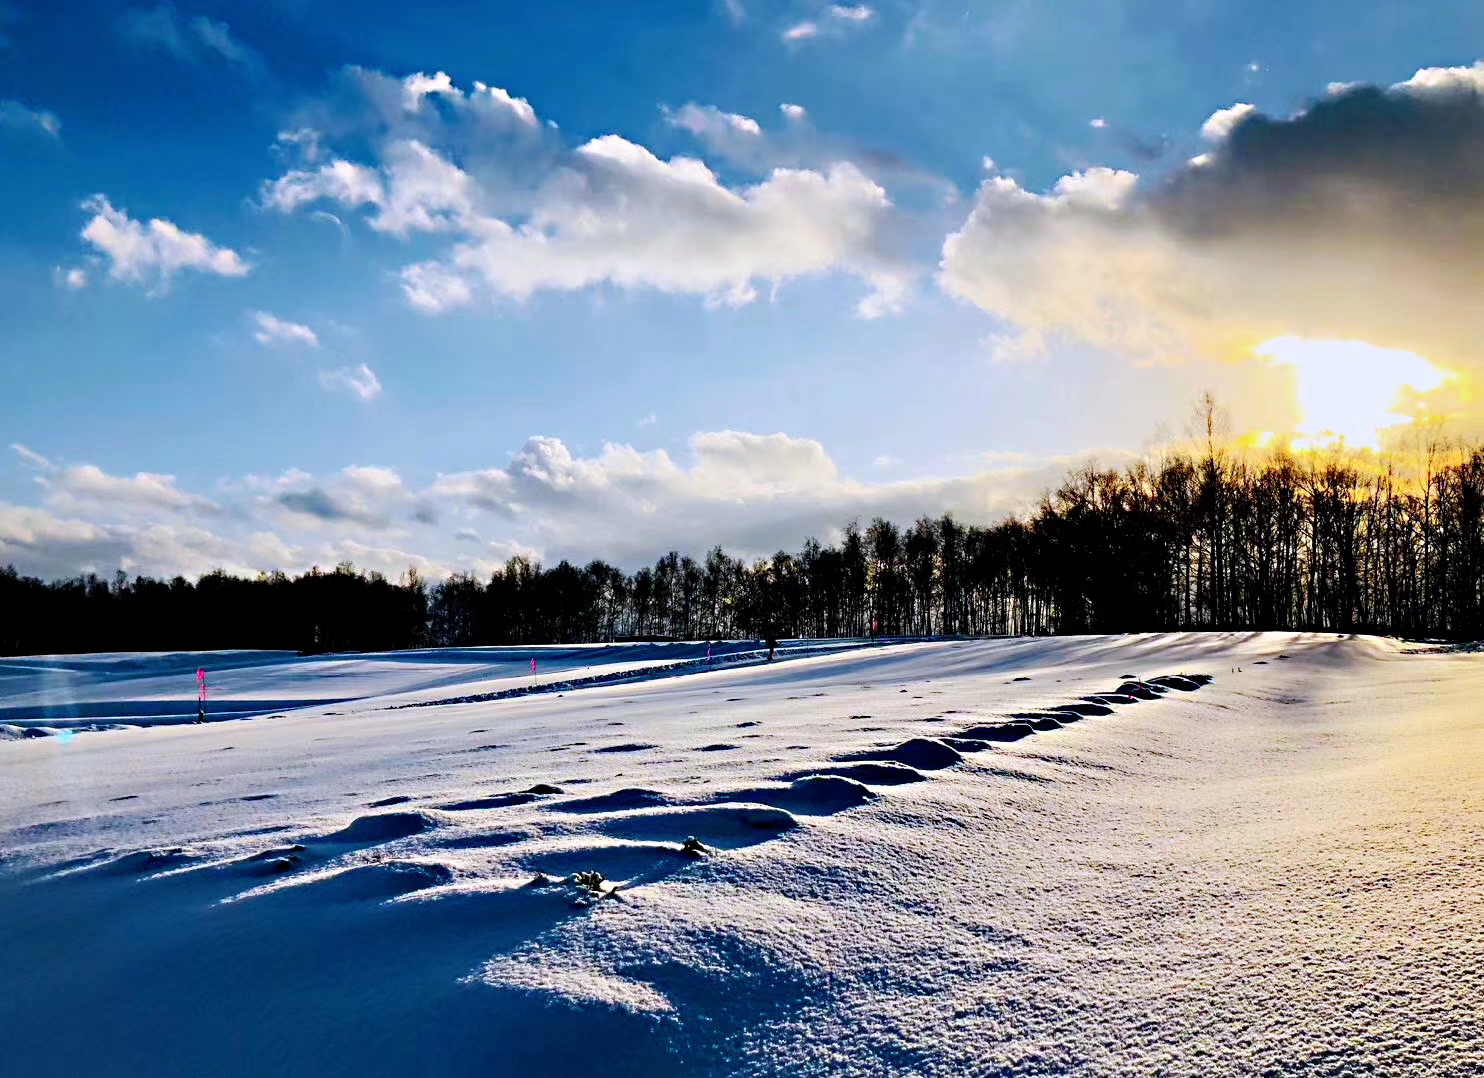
[
  {"x": 339, "y": 181},
  {"x": 1360, "y": 217},
  {"x": 795, "y": 143},
  {"x": 70, "y": 485},
  {"x": 634, "y": 220},
  {"x": 525, "y": 215},
  {"x": 89, "y": 483},
  {"x": 45, "y": 544},
  {"x": 755, "y": 493},
  {"x": 360, "y": 381},
  {"x": 152, "y": 253},
  {"x": 273, "y": 330},
  {"x": 1220, "y": 123},
  {"x": 18, "y": 117},
  {"x": 373, "y": 498},
  {"x": 49, "y": 545}
]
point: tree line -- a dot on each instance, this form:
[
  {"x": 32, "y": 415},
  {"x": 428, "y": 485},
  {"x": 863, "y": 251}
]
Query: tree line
[{"x": 1201, "y": 539}]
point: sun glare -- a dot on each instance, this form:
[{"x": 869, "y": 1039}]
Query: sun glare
[{"x": 1349, "y": 389}]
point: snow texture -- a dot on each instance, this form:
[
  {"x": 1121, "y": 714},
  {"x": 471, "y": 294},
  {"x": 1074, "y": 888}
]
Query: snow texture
[{"x": 1186, "y": 855}]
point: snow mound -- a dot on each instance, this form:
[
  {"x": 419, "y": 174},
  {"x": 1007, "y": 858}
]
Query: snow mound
[
  {"x": 813, "y": 794},
  {"x": 1000, "y": 732},
  {"x": 875, "y": 773},
  {"x": 827, "y": 794},
  {"x": 967, "y": 744},
  {"x": 1042, "y": 721},
  {"x": 922, "y": 753},
  {"x": 494, "y": 801},
  {"x": 576, "y": 986},
  {"x": 1182, "y": 682},
  {"x": 382, "y": 827},
  {"x": 379, "y": 881},
  {"x": 1082, "y": 709},
  {"x": 1140, "y": 690},
  {"x": 631, "y": 797},
  {"x": 721, "y": 825},
  {"x": 146, "y": 862}
]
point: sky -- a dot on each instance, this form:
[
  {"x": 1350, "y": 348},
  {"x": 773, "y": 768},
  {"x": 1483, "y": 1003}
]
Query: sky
[{"x": 293, "y": 282}]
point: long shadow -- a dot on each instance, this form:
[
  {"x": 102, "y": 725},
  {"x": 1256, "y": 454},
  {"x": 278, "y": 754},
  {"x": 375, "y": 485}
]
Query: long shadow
[{"x": 324, "y": 978}]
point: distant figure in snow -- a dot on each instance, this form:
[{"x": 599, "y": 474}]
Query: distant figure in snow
[
  {"x": 772, "y": 646},
  {"x": 200, "y": 696}
]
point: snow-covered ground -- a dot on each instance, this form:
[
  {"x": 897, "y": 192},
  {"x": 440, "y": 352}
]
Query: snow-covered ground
[{"x": 1279, "y": 872}]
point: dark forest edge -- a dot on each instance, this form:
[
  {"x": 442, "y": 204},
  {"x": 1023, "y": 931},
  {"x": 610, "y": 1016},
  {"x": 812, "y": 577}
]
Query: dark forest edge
[{"x": 1194, "y": 542}]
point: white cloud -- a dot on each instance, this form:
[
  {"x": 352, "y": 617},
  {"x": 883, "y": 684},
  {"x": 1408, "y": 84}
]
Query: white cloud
[
  {"x": 68, "y": 486},
  {"x": 49, "y": 545},
  {"x": 19, "y": 117},
  {"x": 792, "y": 112},
  {"x": 339, "y": 181},
  {"x": 418, "y": 86},
  {"x": 88, "y": 483},
  {"x": 73, "y": 277},
  {"x": 1445, "y": 80},
  {"x": 368, "y": 496},
  {"x": 433, "y": 287},
  {"x": 837, "y": 19},
  {"x": 1220, "y": 123},
  {"x": 708, "y": 120},
  {"x": 636, "y": 221},
  {"x": 274, "y": 330},
  {"x": 154, "y": 252},
  {"x": 753, "y": 493},
  {"x": 1359, "y": 218},
  {"x": 525, "y": 215},
  {"x": 303, "y": 142},
  {"x": 360, "y": 381}
]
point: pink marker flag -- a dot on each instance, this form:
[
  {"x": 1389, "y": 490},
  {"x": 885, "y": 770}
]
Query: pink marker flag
[
  {"x": 201, "y": 682},
  {"x": 533, "y": 667}
]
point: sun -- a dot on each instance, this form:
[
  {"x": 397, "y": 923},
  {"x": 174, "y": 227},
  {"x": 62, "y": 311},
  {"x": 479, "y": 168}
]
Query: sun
[{"x": 1349, "y": 389}]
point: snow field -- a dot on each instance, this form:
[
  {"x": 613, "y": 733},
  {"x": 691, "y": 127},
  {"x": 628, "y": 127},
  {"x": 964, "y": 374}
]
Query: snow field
[{"x": 906, "y": 861}]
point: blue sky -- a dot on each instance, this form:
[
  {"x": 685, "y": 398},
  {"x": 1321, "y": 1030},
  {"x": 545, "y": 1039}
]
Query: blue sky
[{"x": 432, "y": 284}]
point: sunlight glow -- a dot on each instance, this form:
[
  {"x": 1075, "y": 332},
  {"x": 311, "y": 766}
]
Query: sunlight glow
[{"x": 1349, "y": 389}]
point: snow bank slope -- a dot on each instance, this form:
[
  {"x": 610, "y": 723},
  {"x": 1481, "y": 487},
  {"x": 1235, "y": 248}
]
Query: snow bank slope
[
  {"x": 154, "y": 688},
  {"x": 905, "y": 861}
]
